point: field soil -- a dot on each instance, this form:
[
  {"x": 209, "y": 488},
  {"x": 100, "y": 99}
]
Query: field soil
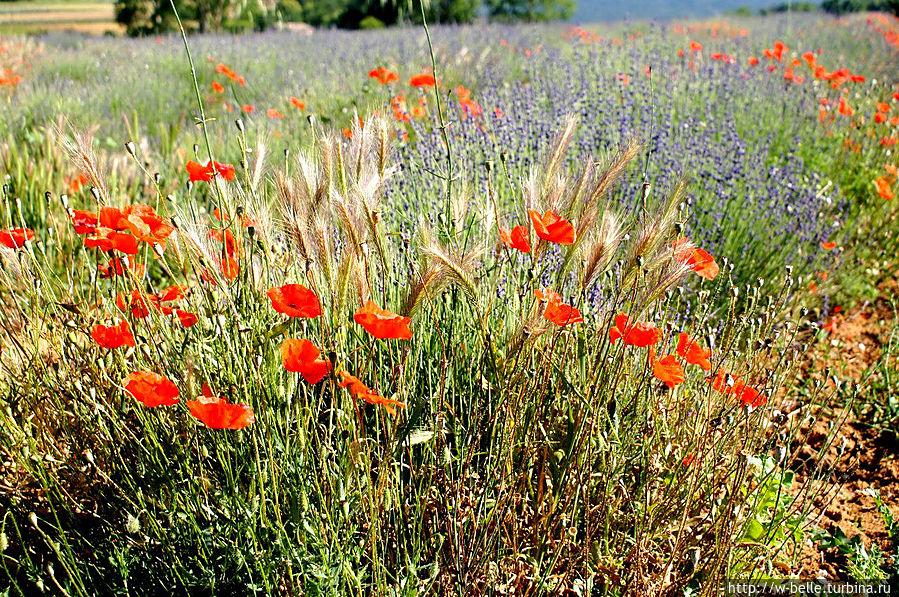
[{"x": 863, "y": 456}]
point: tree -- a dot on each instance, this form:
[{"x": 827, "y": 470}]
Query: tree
[{"x": 530, "y": 10}]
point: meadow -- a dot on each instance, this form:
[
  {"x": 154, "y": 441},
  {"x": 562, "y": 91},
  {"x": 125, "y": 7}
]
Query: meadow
[{"x": 300, "y": 314}]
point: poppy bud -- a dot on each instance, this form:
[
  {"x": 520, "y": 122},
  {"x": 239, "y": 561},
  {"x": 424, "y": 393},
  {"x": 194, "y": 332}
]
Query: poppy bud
[
  {"x": 156, "y": 177},
  {"x": 65, "y": 201},
  {"x": 239, "y": 124},
  {"x": 488, "y": 165},
  {"x": 95, "y": 193},
  {"x": 503, "y": 157},
  {"x": 131, "y": 149}
]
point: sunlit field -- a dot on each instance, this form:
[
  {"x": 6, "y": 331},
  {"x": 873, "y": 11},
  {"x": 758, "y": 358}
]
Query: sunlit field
[{"x": 298, "y": 314}]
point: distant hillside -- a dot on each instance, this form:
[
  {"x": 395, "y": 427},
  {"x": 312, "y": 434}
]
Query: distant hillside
[{"x": 589, "y": 11}]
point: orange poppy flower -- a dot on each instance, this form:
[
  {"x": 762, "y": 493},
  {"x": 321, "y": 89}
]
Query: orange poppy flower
[
  {"x": 16, "y": 238},
  {"x": 828, "y": 245},
  {"x": 381, "y": 323},
  {"x": 423, "y": 80},
  {"x": 360, "y": 391},
  {"x": 517, "y": 238},
  {"x": 666, "y": 369},
  {"x": 695, "y": 47},
  {"x": 198, "y": 172},
  {"x": 639, "y": 334},
  {"x": 301, "y": 356},
  {"x": 217, "y": 87},
  {"x": 294, "y": 300},
  {"x": 84, "y": 221},
  {"x": 883, "y": 188},
  {"x": 552, "y": 227},
  {"x": 753, "y": 61},
  {"x": 383, "y": 75},
  {"x": 118, "y": 267},
  {"x": 248, "y": 108},
  {"x": 692, "y": 352},
  {"x": 297, "y": 103},
  {"x": 696, "y": 259},
  {"x": 114, "y": 336},
  {"x": 139, "y": 302},
  {"x": 272, "y": 113},
  {"x": 225, "y": 242},
  {"x": 186, "y": 318},
  {"x": 218, "y": 413},
  {"x": 556, "y": 311},
  {"x": 143, "y": 222},
  {"x": 751, "y": 397},
  {"x": 151, "y": 389},
  {"x": 107, "y": 239}
]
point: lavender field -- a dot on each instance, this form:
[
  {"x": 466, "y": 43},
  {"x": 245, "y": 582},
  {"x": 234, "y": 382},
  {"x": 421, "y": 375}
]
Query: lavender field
[{"x": 557, "y": 311}]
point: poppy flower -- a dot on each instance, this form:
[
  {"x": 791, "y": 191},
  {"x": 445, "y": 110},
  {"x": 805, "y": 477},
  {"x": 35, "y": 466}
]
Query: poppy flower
[
  {"x": 85, "y": 222},
  {"x": 695, "y": 47},
  {"x": 698, "y": 260},
  {"x": 666, "y": 369},
  {"x": 294, "y": 300},
  {"x": 151, "y": 389},
  {"x": 883, "y": 188},
  {"x": 552, "y": 227},
  {"x": 639, "y": 334},
  {"x": 556, "y": 311},
  {"x": 828, "y": 245},
  {"x": 139, "y": 302},
  {"x": 16, "y": 238},
  {"x": 297, "y": 103},
  {"x": 360, "y": 391},
  {"x": 217, "y": 87},
  {"x": 248, "y": 108},
  {"x": 118, "y": 267},
  {"x": 692, "y": 352},
  {"x": 301, "y": 356},
  {"x": 143, "y": 222},
  {"x": 186, "y": 318},
  {"x": 114, "y": 336},
  {"x": 226, "y": 241},
  {"x": 831, "y": 325},
  {"x": 383, "y": 75},
  {"x": 107, "y": 239},
  {"x": 751, "y": 397},
  {"x": 171, "y": 293},
  {"x": 273, "y": 113},
  {"x": 423, "y": 80},
  {"x": 218, "y": 413},
  {"x": 198, "y": 172},
  {"x": 517, "y": 238},
  {"x": 381, "y": 323},
  {"x": 727, "y": 384}
]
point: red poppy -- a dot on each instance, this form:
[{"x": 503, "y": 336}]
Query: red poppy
[
  {"x": 139, "y": 302},
  {"x": 172, "y": 293},
  {"x": 118, "y": 267},
  {"x": 143, "y": 222},
  {"x": 552, "y": 227},
  {"x": 752, "y": 61},
  {"x": 112, "y": 218},
  {"x": 114, "y": 336},
  {"x": 297, "y": 103},
  {"x": 16, "y": 238},
  {"x": 828, "y": 245},
  {"x": 76, "y": 182},
  {"x": 151, "y": 389},
  {"x": 556, "y": 311},
  {"x": 186, "y": 318},
  {"x": 696, "y": 259},
  {"x": 381, "y": 323},
  {"x": 199, "y": 172},
  {"x": 639, "y": 334},
  {"x": 383, "y": 75},
  {"x": 751, "y": 397},
  {"x": 692, "y": 352},
  {"x": 301, "y": 356},
  {"x": 218, "y": 413},
  {"x": 217, "y": 87},
  {"x": 272, "y": 113},
  {"x": 226, "y": 240},
  {"x": 695, "y": 47},
  {"x": 517, "y": 238},
  {"x": 883, "y": 187},
  {"x": 360, "y": 391},
  {"x": 666, "y": 369},
  {"x": 85, "y": 222},
  {"x": 423, "y": 80},
  {"x": 294, "y": 300},
  {"x": 248, "y": 108},
  {"x": 107, "y": 239}
]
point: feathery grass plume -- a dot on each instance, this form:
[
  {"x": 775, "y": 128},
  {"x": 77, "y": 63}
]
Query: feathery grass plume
[
  {"x": 258, "y": 166},
  {"x": 458, "y": 267},
  {"x": 600, "y": 247},
  {"x": 611, "y": 172},
  {"x": 654, "y": 231},
  {"x": 79, "y": 146},
  {"x": 558, "y": 149}
]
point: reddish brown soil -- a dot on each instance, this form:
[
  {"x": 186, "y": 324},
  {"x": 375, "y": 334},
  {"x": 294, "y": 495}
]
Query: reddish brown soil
[{"x": 862, "y": 456}]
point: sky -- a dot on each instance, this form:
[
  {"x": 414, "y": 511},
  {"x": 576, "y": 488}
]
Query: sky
[{"x": 613, "y": 10}]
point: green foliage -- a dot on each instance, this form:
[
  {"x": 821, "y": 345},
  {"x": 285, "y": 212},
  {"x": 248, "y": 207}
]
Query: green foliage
[
  {"x": 149, "y": 17},
  {"x": 371, "y": 22},
  {"x": 790, "y": 7},
  {"x": 847, "y": 6},
  {"x": 530, "y": 10}
]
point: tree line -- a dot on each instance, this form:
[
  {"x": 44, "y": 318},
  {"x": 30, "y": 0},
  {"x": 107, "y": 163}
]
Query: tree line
[{"x": 150, "y": 17}]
